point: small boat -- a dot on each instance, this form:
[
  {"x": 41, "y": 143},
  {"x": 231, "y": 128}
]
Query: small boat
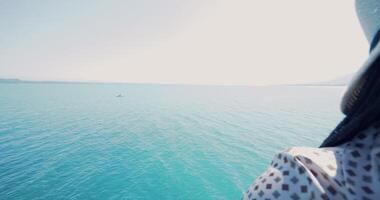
[{"x": 120, "y": 95}]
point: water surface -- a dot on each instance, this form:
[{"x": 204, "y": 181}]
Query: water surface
[{"x": 79, "y": 141}]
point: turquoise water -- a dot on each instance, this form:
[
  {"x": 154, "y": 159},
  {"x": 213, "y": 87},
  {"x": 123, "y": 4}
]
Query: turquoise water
[{"x": 78, "y": 141}]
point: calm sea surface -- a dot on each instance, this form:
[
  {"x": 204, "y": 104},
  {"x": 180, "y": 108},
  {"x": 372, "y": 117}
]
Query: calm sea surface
[{"x": 79, "y": 141}]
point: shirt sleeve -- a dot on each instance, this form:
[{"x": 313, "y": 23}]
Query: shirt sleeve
[{"x": 298, "y": 173}]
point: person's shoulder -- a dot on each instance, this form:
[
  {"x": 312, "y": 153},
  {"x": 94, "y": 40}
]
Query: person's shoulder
[
  {"x": 315, "y": 161},
  {"x": 296, "y": 173},
  {"x": 306, "y": 153}
]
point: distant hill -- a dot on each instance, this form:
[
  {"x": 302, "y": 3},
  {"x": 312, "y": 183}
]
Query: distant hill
[
  {"x": 9, "y": 80},
  {"x": 343, "y": 80},
  {"x": 14, "y": 80},
  {"x": 340, "y": 81}
]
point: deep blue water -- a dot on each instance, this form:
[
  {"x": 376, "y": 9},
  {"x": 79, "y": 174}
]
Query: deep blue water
[{"x": 79, "y": 141}]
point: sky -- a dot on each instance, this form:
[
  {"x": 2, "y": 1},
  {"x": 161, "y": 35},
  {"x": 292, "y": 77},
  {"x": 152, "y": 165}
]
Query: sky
[{"x": 217, "y": 42}]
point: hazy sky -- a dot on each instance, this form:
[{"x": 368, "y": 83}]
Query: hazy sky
[{"x": 180, "y": 41}]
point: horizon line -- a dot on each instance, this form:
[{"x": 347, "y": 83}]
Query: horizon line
[{"x": 17, "y": 80}]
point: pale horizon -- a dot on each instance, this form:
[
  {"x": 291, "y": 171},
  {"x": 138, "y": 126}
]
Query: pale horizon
[{"x": 188, "y": 42}]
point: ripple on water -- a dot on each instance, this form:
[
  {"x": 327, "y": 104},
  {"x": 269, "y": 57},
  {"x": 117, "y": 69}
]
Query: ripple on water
[{"x": 164, "y": 142}]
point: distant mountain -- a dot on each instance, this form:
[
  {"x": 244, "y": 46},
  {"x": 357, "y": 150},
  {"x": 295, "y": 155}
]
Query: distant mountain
[
  {"x": 10, "y": 80},
  {"x": 14, "y": 80},
  {"x": 343, "y": 80},
  {"x": 340, "y": 81}
]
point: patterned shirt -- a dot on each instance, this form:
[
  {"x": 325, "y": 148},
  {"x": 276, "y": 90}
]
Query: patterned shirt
[{"x": 349, "y": 171}]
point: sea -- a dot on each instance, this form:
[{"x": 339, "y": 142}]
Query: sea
[{"x": 81, "y": 141}]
